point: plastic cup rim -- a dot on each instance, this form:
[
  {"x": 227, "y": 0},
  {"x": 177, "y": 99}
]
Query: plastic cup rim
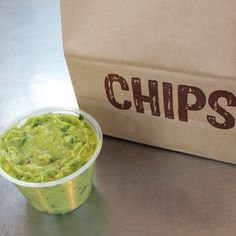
[{"x": 39, "y": 111}]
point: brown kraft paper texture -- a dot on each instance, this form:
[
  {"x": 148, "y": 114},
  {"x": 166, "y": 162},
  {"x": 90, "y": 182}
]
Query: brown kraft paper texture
[{"x": 160, "y": 73}]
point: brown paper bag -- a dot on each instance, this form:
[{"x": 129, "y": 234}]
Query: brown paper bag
[{"x": 157, "y": 72}]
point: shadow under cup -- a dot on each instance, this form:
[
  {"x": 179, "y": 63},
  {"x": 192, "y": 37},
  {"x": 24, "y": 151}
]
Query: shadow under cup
[{"x": 65, "y": 194}]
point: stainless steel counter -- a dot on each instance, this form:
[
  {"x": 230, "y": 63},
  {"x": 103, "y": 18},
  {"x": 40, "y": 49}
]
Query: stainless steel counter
[{"x": 138, "y": 190}]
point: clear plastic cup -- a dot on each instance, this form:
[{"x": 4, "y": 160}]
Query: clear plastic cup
[{"x": 65, "y": 194}]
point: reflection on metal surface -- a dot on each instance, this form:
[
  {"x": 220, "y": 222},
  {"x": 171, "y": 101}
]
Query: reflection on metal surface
[
  {"x": 50, "y": 89},
  {"x": 33, "y": 72}
]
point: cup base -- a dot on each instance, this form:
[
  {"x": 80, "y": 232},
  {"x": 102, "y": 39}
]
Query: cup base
[{"x": 66, "y": 211}]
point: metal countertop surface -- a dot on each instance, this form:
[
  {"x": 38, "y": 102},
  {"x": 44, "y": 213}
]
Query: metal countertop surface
[{"x": 138, "y": 190}]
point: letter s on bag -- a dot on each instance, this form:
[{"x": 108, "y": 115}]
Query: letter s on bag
[{"x": 213, "y": 102}]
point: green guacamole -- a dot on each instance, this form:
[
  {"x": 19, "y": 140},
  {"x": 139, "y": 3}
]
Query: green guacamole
[{"x": 47, "y": 147}]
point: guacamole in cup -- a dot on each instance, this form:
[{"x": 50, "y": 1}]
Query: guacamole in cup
[{"x": 49, "y": 154}]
